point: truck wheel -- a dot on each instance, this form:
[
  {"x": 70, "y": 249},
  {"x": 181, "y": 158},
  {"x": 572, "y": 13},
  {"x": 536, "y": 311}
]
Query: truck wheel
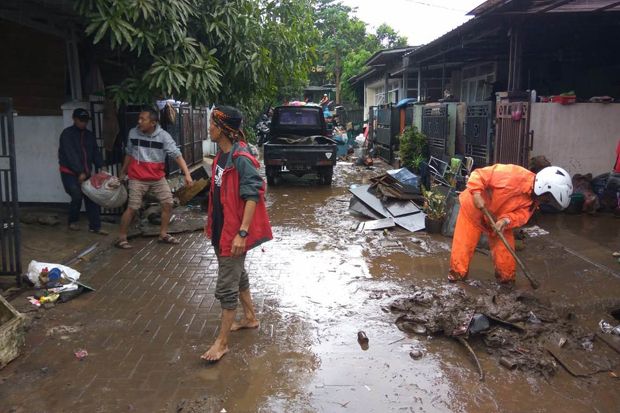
[
  {"x": 325, "y": 176},
  {"x": 271, "y": 173}
]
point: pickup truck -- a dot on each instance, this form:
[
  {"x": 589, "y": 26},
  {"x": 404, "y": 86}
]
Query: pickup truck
[{"x": 298, "y": 144}]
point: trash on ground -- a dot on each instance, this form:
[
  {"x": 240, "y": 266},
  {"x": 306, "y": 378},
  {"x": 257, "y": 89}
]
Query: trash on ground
[
  {"x": 514, "y": 325},
  {"x": 509, "y": 363},
  {"x": 36, "y": 270},
  {"x": 362, "y": 339},
  {"x": 376, "y": 224},
  {"x": 81, "y": 354},
  {"x": 51, "y": 298},
  {"x": 33, "y": 301},
  {"x": 405, "y": 213},
  {"x": 416, "y": 354},
  {"x": 478, "y": 324},
  {"x": 359, "y": 207},
  {"x": 534, "y": 231},
  {"x": 399, "y": 183},
  {"x": 58, "y": 283},
  {"x": 608, "y": 328}
]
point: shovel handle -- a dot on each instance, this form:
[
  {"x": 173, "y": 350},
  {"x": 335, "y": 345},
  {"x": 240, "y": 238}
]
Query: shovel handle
[{"x": 531, "y": 279}]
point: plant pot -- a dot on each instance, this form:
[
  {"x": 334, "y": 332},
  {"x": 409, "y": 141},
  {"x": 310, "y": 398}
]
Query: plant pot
[{"x": 433, "y": 226}]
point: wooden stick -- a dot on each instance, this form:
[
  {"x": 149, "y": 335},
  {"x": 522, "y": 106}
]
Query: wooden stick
[
  {"x": 471, "y": 351},
  {"x": 529, "y": 276}
]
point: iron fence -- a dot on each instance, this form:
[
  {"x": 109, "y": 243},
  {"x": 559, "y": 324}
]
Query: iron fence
[{"x": 10, "y": 236}]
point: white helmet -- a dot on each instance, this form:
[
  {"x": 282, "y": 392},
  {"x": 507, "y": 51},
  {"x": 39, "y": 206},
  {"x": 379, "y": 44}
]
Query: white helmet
[{"x": 557, "y": 182}]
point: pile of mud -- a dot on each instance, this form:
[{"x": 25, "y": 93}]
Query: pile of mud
[{"x": 515, "y": 327}]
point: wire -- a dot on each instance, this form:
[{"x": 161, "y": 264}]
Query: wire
[{"x": 437, "y": 6}]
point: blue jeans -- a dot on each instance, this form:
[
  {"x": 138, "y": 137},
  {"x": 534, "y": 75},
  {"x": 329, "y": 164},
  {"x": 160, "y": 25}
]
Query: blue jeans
[{"x": 73, "y": 188}]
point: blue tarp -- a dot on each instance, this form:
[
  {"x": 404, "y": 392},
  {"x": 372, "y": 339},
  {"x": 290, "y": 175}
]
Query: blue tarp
[{"x": 405, "y": 102}]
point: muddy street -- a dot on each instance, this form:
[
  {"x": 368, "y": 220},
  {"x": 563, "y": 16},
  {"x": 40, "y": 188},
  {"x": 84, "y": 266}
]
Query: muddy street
[{"x": 315, "y": 286}]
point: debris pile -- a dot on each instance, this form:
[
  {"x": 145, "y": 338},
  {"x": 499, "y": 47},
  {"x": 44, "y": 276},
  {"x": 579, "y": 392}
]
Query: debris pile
[
  {"x": 387, "y": 201},
  {"x": 515, "y": 328}
]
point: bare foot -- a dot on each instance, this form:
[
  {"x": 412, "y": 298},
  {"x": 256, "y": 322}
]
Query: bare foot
[
  {"x": 215, "y": 353},
  {"x": 244, "y": 323}
]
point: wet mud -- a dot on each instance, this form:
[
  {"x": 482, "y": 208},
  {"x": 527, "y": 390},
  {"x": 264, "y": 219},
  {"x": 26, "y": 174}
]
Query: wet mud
[
  {"x": 315, "y": 287},
  {"x": 513, "y": 327}
]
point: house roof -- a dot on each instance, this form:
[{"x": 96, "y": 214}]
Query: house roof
[
  {"x": 386, "y": 55},
  {"x": 544, "y": 6},
  {"x": 479, "y": 37},
  {"x": 381, "y": 60}
]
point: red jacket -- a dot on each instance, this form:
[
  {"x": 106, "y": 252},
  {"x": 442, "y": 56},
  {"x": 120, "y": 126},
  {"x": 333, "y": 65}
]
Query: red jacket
[{"x": 233, "y": 206}]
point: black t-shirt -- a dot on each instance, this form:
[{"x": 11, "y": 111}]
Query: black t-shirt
[{"x": 218, "y": 211}]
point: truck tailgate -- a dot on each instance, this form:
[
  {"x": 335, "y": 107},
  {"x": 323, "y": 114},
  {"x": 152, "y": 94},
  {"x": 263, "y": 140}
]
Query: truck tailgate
[{"x": 300, "y": 156}]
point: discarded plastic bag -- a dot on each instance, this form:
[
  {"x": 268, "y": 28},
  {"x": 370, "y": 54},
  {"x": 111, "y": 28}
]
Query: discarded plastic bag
[
  {"x": 35, "y": 268},
  {"x": 105, "y": 190},
  {"x": 608, "y": 328}
]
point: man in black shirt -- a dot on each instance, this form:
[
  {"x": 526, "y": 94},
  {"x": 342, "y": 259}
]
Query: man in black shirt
[{"x": 77, "y": 153}]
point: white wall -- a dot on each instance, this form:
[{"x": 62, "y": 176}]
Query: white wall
[
  {"x": 581, "y": 137},
  {"x": 36, "y": 150}
]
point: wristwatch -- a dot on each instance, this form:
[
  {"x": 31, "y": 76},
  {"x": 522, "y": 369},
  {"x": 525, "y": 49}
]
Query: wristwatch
[{"x": 243, "y": 233}]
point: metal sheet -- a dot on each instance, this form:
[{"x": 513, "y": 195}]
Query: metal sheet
[
  {"x": 370, "y": 200},
  {"x": 376, "y": 224},
  {"x": 400, "y": 208},
  {"x": 414, "y": 222},
  {"x": 357, "y": 206}
]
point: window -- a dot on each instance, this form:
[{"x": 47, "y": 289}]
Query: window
[{"x": 477, "y": 84}]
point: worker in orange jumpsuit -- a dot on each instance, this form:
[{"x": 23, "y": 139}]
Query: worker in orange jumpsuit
[{"x": 511, "y": 194}]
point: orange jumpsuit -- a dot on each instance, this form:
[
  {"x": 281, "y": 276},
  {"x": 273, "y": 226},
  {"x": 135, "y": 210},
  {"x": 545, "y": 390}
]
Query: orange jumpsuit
[{"x": 507, "y": 193}]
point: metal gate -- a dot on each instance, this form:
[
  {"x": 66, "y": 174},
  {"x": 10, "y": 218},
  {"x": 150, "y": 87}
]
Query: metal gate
[
  {"x": 435, "y": 125},
  {"x": 10, "y": 237},
  {"x": 478, "y": 132},
  {"x": 513, "y": 140},
  {"x": 386, "y": 132}
]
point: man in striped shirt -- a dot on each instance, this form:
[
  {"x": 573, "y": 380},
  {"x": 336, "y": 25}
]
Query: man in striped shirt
[{"x": 144, "y": 165}]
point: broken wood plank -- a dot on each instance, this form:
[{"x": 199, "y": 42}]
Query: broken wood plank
[{"x": 187, "y": 193}]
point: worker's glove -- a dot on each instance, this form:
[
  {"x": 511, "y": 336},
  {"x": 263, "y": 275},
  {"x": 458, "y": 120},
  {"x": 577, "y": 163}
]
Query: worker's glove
[
  {"x": 502, "y": 224},
  {"x": 478, "y": 200}
]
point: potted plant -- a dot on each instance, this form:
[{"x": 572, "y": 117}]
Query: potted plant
[
  {"x": 413, "y": 149},
  {"x": 435, "y": 210}
]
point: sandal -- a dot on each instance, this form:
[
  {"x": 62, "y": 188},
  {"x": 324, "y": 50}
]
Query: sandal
[
  {"x": 168, "y": 239},
  {"x": 99, "y": 231},
  {"x": 123, "y": 244}
]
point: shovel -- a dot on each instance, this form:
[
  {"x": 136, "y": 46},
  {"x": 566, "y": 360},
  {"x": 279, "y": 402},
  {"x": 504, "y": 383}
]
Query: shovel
[{"x": 529, "y": 276}]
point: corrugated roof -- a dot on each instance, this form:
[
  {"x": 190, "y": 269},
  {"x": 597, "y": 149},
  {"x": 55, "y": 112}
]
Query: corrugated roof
[
  {"x": 545, "y": 6},
  {"x": 385, "y": 55}
]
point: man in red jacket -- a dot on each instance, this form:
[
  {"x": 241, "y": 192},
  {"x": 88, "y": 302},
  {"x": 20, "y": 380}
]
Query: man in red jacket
[{"x": 237, "y": 222}]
